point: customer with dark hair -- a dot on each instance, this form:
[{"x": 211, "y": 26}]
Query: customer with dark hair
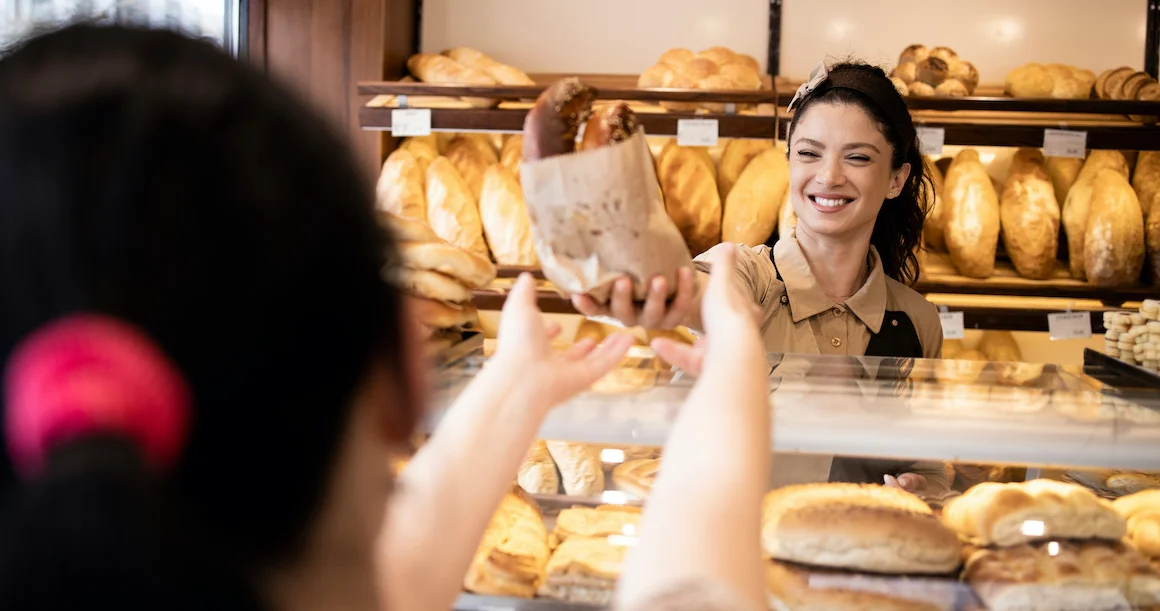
[
  {"x": 205, "y": 373},
  {"x": 859, "y": 186}
]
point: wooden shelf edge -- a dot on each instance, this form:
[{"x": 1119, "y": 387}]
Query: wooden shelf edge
[{"x": 512, "y": 92}]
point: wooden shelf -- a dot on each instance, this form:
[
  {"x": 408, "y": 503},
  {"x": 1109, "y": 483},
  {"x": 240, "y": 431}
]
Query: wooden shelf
[
  {"x": 940, "y": 276},
  {"x": 612, "y": 92}
]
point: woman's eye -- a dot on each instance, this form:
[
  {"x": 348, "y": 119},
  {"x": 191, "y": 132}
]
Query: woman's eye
[
  {"x": 859, "y": 158},
  {"x": 807, "y": 154}
]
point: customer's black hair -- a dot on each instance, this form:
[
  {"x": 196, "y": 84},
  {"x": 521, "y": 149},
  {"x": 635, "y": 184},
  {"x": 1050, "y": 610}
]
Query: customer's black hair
[
  {"x": 898, "y": 230},
  {"x": 150, "y": 177}
]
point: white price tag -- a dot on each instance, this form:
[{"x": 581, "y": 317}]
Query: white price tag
[
  {"x": 1064, "y": 143},
  {"x": 1069, "y": 325},
  {"x": 952, "y": 324},
  {"x": 406, "y": 122},
  {"x": 697, "y": 132},
  {"x": 930, "y": 140}
]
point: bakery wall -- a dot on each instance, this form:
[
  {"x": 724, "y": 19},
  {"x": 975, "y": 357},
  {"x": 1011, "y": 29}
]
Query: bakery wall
[{"x": 626, "y": 36}]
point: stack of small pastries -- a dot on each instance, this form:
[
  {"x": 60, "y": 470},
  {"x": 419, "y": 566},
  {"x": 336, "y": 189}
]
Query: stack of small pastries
[
  {"x": 589, "y": 547},
  {"x": 1045, "y": 544},
  {"x": 439, "y": 277},
  {"x": 715, "y": 68},
  {"x": 857, "y": 546},
  {"x": 923, "y": 72},
  {"x": 1134, "y": 337}
]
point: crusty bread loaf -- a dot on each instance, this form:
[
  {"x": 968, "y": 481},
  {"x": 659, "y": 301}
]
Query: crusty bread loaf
[
  {"x": 433, "y": 68},
  {"x": 913, "y": 53},
  {"x": 1010, "y": 514},
  {"x": 452, "y": 209},
  {"x": 469, "y": 269},
  {"x": 907, "y": 72},
  {"x": 429, "y": 285},
  {"x": 971, "y": 216},
  {"x": 513, "y": 555},
  {"x": 1077, "y": 206},
  {"x": 1113, "y": 247},
  {"x": 400, "y": 189},
  {"x": 581, "y": 471},
  {"x": 691, "y": 197},
  {"x": 933, "y": 71},
  {"x": 856, "y": 526},
  {"x": 505, "y": 219},
  {"x": 423, "y": 151},
  {"x": 1063, "y": 576},
  {"x": 551, "y": 125},
  {"x": 798, "y": 588},
  {"x": 1146, "y": 182},
  {"x": 1029, "y": 216},
  {"x": 538, "y": 473},
  {"x": 1000, "y": 346},
  {"x": 584, "y": 571},
  {"x": 596, "y": 522},
  {"x": 965, "y": 73},
  {"x": 1063, "y": 172},
  {"x": 734, "y": 159},
  {"x": 512, "y": 153},
  {"x": 465, "y": 155},
  {"x": 1030, "y": 81},
  {"x": 636, "y": 477},
  {"x": 751, "y": 209}
]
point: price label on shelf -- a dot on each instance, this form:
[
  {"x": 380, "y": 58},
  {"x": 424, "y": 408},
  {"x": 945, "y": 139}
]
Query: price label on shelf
[
  {"x": 697, "y": 132},
  {"x": 406, "y": 122},
  {"x": 930, "y": 140},
  {"x": 1069, "y": 325},
  {"x": 952, "y": 325},
  {"x": 1064, "y": 143}
]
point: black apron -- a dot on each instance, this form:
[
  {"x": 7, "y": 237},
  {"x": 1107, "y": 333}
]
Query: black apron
[{"x": 898, "y": 339}]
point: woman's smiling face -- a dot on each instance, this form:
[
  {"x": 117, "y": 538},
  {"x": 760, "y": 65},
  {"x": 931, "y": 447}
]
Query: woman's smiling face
[{"x": 840, "y": 171}]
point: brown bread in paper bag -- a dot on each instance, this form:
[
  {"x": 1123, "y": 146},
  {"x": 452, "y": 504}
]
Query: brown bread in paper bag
[{"x": 596, "y": 215}]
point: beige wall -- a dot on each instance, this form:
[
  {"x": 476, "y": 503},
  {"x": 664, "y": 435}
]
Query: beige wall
[{"x": 626, "y": 36}]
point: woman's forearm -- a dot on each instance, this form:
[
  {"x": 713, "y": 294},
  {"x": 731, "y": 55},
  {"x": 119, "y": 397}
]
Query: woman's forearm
[
  {"x": 446, "y": 495},
  {"x": 704, "y": 513}
]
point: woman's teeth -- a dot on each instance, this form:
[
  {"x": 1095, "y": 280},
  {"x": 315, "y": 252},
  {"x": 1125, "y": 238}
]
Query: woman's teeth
[{"x": 829, "y": 203}]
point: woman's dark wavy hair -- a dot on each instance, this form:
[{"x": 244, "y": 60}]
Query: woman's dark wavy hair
[{"x": 897, "y": 232}]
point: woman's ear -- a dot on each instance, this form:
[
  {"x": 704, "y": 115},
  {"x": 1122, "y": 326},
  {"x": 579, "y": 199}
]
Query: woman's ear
[{"x": 898, "y": 180}]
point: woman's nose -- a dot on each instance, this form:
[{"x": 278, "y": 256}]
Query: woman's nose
[{"x": 830, "y": 174}]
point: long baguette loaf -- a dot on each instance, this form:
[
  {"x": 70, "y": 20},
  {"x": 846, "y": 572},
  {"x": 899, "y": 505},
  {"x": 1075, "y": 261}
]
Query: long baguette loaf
[
  {"x": 751, "y": 209},
  {"x": 1077, "y": 206}
]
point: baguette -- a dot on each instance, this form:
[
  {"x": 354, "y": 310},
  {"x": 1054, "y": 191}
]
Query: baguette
[
  {"x": 691, "y": 198},
  {"x": 538, "y": 473},
  {"x": 432, "y": 68},
  {"x": 400, "y": 189},
  {"x": 751, "y": 209},
  {"x": 734, "y": 159},
  {"x": 505, "y": 219},
  {"x": 452, "y": 210}
]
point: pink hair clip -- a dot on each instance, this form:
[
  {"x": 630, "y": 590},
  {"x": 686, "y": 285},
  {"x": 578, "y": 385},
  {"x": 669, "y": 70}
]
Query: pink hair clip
[
  {"x": 88, "y": 374},
  {"x": 817, "y": 75}
]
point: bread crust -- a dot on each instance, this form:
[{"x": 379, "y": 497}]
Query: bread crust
[
  {"x": 995, "y": 514},
  {"x": 552, "y": 124},
  {"x": 607, "y": 125}
]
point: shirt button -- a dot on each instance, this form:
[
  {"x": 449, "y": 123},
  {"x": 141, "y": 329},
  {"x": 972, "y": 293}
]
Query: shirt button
[
  {"x": 784, "y": 299},
  {"x": 893, "y": 322},
  {"x": 837, "y": 311},
  {"x": 836, "y": 342}
]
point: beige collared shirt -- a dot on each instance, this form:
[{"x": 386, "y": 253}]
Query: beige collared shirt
[{"x": 797, "y": 316}]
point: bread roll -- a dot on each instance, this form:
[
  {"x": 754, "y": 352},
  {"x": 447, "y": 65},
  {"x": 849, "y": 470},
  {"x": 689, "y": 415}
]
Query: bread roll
[
  {"x": 580, "y": 468},
  {"x": 512, "y": 557},
  {"x": 971, "y": 214},
  {"x": 538, "y": 473},
  {"x": 681, "y": 80},
  {"x": 432, "y": 68},
  {"x": 717, "y": 82},
  {"x": 900, "y": 86},
  {"x": 743, "y": 75},
  {"x": 965, "y": 73},
  {"x": 700, "y": 68},
  {"x": 933, "y": 71},
  {"x": 858, "y": 527},
  {"x": 907, "y": 71},
  {"x": 691, "y": 197},
  {"x": 423, "y": 151},
  {"x": 452, "y": 209},
  {"x": 951, "y": 88},
  {"x": 676, "y": 57},
  {"x": 718, "y": 55},
  {"x": 468, "y": 269},
  {"x": 751, "y": 210},
  {"x": 505, "y": 219},
  {"x": 400, "y": 187},
  {"x": 655, "y": 76},
  {"x": 995, "y": 514},
  {"x": 551, "y": 125},
  {"x": 1077, "y": 206},
  {"x": 933, "y": 228},
  {"x": 919, "y": 89},
  {"x": 1113, "y": 247},
  {"x": 429, "y": 285},
  {"x": 465, "y": 156},
  {"x": 1063, "y": 172},
  {"x": 1029, "y": 215},
  {"x": 607, "y": 125},
  {"x": 1030, "y": 81},
  {"x": 734, "y": 159},
  {"x": 913, "y": 53},
  {"x": 944, "y": 53}
]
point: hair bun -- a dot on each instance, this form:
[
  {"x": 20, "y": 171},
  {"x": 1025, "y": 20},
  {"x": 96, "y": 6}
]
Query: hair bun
[{"x": 90, "y": 374}]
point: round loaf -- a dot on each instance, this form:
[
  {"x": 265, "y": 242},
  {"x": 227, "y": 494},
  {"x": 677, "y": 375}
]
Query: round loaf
[
  {"x": 913, "y": 54},
  {"x": 676, "y": 57},
  {"x": 920, "y": 89},
  {"x": 907, "y": 71},
  {"x": 965, "y": 73},
  {"x": 799, "y": 588},
  {"x": 859, "y": 527},
  {"x": 700, "y": 68},
  {"x": 933, "y": 71},
  {"x": 430, "y": 285},
  {"x": 465, "y": 267},
  {"x": 944, "y": 53},
  {"x": 951, "y": 88},
  {"x": 900, "y": 86},
  {"x": 718, "y": 55},
  {"x": 1030, "y": 81}
]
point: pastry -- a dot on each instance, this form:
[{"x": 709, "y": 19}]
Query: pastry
[
  {"x": 504, "y": 215},
  {"x": 538, "y": 473},
  {"x": 408, "y": 230},
  {"x": 513, "y": 555},
  {"x": 859, "y": 527},
  {"x": 971, "y": 216},
  {"x": 1063, "y": 576},
  {"x": 798, "y": 588},
  {"x": 584, "y": 571},
  {"x": 439, "y": 315},
  {"x": 636, "y": 477},
  {"x": 596, "y": 522},
  {"x": 691, "y": 197},
  {"x": 400, "y": 187},
  {"x": 1113, "y": 244},
  {"x": 734, "y": 159},
  {"x": 452, "y": 210},
  {"x": 580, "y": 468},
  {"x": 751, "y": 209},
  {"x": 450, "y": 261},
  {"x": 430, "y": 285},
  {"x": 1029, "y": 216},
  {"x": 1077, "y": 206},
  {"x": 1011, "y": 514}
]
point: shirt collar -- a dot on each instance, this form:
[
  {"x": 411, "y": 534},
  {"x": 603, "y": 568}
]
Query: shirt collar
[{"x": 806, "y": 298}]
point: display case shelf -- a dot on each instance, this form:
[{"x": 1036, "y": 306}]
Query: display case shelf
[{"x": 880, "y": 408}]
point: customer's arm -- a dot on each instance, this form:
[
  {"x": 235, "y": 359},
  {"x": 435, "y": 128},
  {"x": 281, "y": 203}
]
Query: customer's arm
[
  {"x": 446, "y": 495},
  {"x": 703, "y": 520}
]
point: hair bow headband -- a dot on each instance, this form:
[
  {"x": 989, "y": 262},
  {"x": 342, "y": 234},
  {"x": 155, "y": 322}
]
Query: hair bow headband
[{"x": 817, "y": 75}]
